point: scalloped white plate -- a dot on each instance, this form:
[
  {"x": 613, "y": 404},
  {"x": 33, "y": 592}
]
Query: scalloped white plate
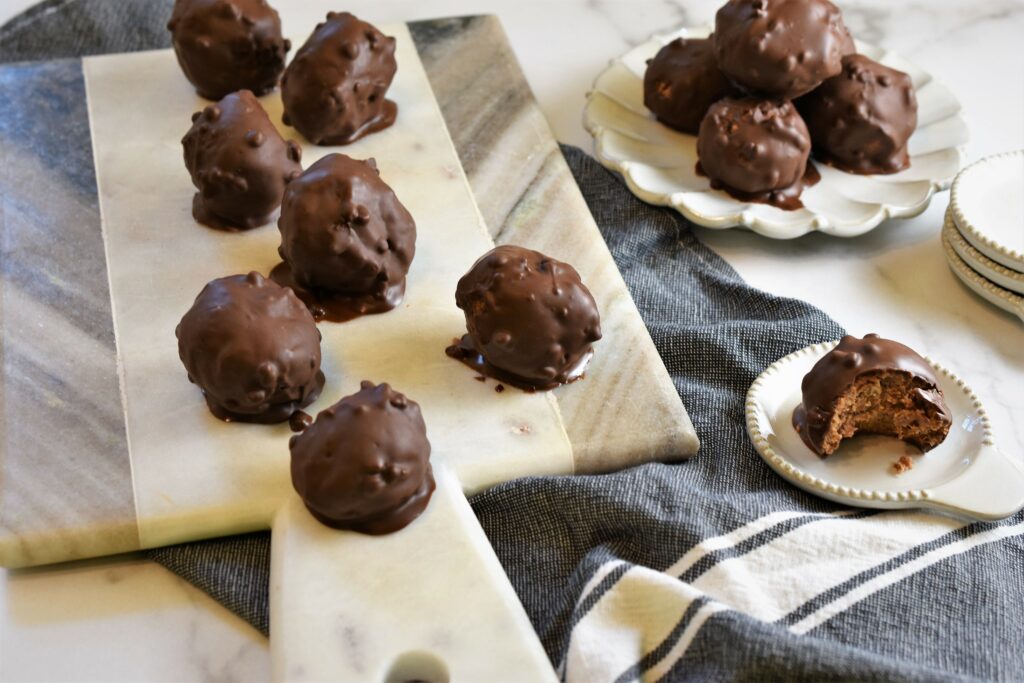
[
  {"x": 983, "y": 287},
  {"x": 964, "y": 475},
  {"x": 659, "y": 164},
  {"x": 981, "y": 264},
  {"x": 987, "y": 203}
]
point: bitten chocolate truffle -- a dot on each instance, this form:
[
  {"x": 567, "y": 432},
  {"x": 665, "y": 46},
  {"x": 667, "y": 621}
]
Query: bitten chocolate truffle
[
  {"x": 780, "y": 48},
  {"x": 252, "y": 348},
  {"x": 861, "y": 120},
  {"x": 228, "y": 45},
  {"x": 334, "y": 89},
  {"x": 531, "y": 321},
  {"x": 364, "y": 464},
  {"x": 756, "y": 149},
  {"x": 238, "y": 162},
  {"x": 682, "y": 81},
  {"x": 873, "y": 386},
  {"x": 345, "y": 238}
]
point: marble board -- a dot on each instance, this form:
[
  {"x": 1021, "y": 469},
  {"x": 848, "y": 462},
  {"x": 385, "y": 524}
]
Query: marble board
[{"x": 105, "y": 447}]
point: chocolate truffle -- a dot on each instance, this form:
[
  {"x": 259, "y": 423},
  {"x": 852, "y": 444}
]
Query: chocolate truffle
[
  {"x": 228, "y": 45},
  {"x": 333, "y": 90},
  {"x": 874, "y": 386},
  {"x": 682, "y": 81},
  {"x": 344, "y": 232},
  {"x": 861, "y": 120},
  {"x": 238, "y": 162},
  {"x": 253, "y": 349},
  {"x": 364, "y": 464},
  {"x": 531, "y": 321},
  {"x": 780, "y": 48},
  {"x": 755, "y": 147}
]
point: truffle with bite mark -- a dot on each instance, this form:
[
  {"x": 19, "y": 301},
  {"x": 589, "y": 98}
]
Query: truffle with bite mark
[
  {"x": 756, "y": 149},
  {"x": 871, "y": 386},
  {"x": 531, "y": 321},
  {"x": 860, "y": 121},
  {"x": 364, "y": 463},
  {"x": 228, "y": 45},
  {"x": 239, "y": 163},
  {"x": 780, "y": 48},
  {"x": 252, "y": 348},
  {"x": 682, "y": 81},
  {"x": 334, "y": 89},
  {"x": 346, "y": 239}
]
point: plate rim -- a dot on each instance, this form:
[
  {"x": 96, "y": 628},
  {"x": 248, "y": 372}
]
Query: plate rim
[
  {"x": 1000, "y": 297},
  {"x": 981, "y": 264},
  {"x": 1000, "y": 253},
  {"x": 873, "y": 498},
  {"x": 742, "y": 217}
]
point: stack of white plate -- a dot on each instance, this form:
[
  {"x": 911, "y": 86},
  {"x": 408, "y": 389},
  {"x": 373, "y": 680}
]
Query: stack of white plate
[{"x": 984, "y": 231}]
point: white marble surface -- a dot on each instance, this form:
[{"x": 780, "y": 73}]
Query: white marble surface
[{"x": 76, "y": 623}]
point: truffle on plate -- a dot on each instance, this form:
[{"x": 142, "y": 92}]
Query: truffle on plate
[
  {"x": 780, "y": 48},
  {"x": 238, "y": 162},
  {"x": 334, "y": 89},
  {"x": 346, "y": 240},
  {"x": 755, "y": 149},
  {"x": 228, "y": 45},
  {"x": 871, "y": 386},
  {"x": 531, "y": 321},
  {"x": 252, "y": 348},
  {"x": 861, "y": 120},
  {"x": 682, "y": 81},
  {"x": 364, "y": 463}
]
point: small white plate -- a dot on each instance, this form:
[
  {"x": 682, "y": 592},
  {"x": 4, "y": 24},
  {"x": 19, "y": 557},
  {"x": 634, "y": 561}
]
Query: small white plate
[
  {"x": 987, "y": 203},
  {"x": 964, "y": 475},
  {"x": 986, "y": 289},
  {"x": 659, "y": 164},
  {"x": 981, "y": 264}
]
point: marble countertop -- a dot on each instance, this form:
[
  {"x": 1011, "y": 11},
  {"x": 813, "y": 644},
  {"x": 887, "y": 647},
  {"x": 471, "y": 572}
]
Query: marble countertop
[{"x": 127, "y": 619}]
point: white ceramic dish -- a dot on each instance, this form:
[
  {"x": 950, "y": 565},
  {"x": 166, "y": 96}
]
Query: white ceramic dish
[
  {"x": 965, "y": 475},
  {"x": 995, "y": 272},
  {"x": 659, "y": 164},
  {"x": 986, "y": 289},
  {"x": 987, "y": 203}
]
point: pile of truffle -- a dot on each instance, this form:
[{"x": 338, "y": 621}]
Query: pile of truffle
[
  {"x": 251, "y": 343},
  {"x": 777, "y": 80}
]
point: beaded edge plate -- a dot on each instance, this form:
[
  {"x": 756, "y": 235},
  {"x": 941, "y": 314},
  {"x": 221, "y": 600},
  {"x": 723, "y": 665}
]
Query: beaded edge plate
[
  {"x": 659, "y": 164},
  {"x": 965, "y": 475},
  {"x": 991, "y": 270},
  {"x": 1010, "y": 302},
  {"x": 987, "y": 204}
]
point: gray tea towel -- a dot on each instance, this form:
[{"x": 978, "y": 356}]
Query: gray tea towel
[{"x": 714, "y": 569}]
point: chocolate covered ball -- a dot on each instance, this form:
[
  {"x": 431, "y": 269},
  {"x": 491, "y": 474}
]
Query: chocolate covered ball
[
  {"x": 529, "y": 316},
  {"x": 364, "y": 464},
  {"x": 873, "y": 386},
  {"x": 780, "y": 48},
  {"x": 334, "y": 89},
  {"x": 252, "y": 348},
  {"x": 861, "y": 120},
  {"x": 682, "y": 81},
  {"x": 754, "y": 146},
  {"x": 228, "y": 45},
  {"x": 239, "y": 163},
  {"x": 343, "y": 230}
]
